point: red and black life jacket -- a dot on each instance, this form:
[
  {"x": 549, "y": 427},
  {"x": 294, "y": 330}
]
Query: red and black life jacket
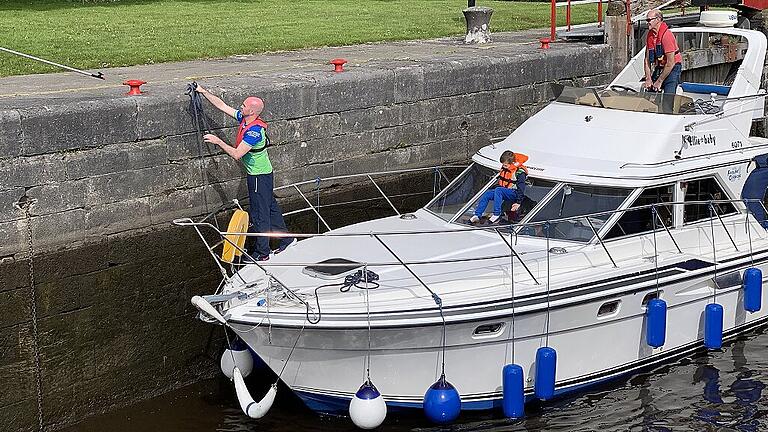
[
  {"x": 242, "y": 128},
  {"x": 655, "y": 49}
]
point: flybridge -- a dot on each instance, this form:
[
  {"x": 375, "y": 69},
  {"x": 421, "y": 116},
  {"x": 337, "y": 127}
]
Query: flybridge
[{"x": 624, "y": 134}]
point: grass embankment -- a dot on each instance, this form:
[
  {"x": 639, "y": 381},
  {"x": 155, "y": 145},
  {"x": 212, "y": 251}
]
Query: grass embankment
[{"x": 92, "y": 35}]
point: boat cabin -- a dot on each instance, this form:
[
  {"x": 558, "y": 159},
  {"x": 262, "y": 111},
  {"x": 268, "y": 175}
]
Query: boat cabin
[{"x": 597, "y": 151}]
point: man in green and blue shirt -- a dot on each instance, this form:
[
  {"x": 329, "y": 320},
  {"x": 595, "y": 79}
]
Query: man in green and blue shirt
[{"x": 251, "y": 149}]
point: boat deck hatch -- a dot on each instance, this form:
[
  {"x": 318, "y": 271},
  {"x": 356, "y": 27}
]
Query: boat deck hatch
[
  {"x": 331, "y": 268},
  {"x": 693, "y": 264}
]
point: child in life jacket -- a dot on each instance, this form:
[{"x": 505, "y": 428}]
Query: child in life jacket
[{"x": 511, "y": 187}]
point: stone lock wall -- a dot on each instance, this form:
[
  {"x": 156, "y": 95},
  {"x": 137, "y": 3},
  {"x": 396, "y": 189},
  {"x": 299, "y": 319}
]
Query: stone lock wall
[{"x": 107, "y": 173}]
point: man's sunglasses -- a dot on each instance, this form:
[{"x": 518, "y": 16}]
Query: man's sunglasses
[{"x": 650, "y": 19}]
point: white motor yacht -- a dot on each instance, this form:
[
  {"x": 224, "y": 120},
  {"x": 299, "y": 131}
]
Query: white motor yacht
[{"x": 631, "y": 197}]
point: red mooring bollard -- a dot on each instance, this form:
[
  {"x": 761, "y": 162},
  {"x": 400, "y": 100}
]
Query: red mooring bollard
[
  {"x": 338, "y": 64},
  {"x": 544, "y": 43},
  {"x": 135, "y": 86}
]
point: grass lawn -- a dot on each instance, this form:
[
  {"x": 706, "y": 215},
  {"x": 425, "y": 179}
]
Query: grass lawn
[{"x": 93, "y": 35}]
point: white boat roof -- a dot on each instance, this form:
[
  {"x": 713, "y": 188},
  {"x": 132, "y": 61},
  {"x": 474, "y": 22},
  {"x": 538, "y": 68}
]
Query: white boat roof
[{"x": 592, "y": 145}]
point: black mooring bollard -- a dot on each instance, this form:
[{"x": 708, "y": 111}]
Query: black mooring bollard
[
  {"x": 470, "y": 3},
  {"x": 478, "y": 24}
]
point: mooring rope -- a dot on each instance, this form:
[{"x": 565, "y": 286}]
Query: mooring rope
[
  {"x": 512, "y": 277},
  {"x": 655, "y": 250},
  {"x": 512, "y": 295},
  {"x": 201, "y": 125},
  {"x": 749, "y": 236},
  {"x": 549, "y": 275},
  {"x": 368, "y": 318},
  {"x": 714, "y": 249},
  {"x": 290, "y": 353},
  {"x": 362, "y": 279},
  {"x": 24, "y": 204}
]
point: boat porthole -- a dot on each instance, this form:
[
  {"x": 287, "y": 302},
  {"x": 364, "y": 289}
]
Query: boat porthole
[
  {"x": 650, "y": 296},
  {"x": 608, "y": 309},
  {"x": 488, "y": 330}
]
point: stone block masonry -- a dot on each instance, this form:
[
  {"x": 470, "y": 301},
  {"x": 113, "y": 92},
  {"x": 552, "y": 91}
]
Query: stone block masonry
[{"x": 107, "y": 174}]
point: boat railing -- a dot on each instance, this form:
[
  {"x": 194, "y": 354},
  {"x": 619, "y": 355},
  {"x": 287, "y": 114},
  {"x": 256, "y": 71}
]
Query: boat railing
[
  {"x": 308, "y": 190},
  {"x": 506, "y": 233}
]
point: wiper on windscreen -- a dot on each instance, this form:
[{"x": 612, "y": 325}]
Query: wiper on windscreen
[
  {"x": 600, "y": 101},
  {"x": 567, "y": 190}
]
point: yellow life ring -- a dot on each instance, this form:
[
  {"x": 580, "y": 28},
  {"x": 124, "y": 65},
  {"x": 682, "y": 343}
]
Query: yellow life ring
[{"x": 238, "y": 224}]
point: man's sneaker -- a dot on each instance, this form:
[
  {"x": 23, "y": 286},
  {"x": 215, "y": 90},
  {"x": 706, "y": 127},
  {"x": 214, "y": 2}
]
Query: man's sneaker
[
  {"x": 248, "y": 259},
  {"x": 494, "y": 218},
  {"x": 474, "y": 219},
  {"x": 285, "y": 246}
]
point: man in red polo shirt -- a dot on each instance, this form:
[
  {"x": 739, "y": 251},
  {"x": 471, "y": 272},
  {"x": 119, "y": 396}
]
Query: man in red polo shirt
[{"x": 664, "y": 62}]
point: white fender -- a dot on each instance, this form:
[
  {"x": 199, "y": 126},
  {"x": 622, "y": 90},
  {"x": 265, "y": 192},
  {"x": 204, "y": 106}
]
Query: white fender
[
  {"x": 242, "y": 359},
  {"x": 247, "y": 404},
  {"x": 205, "y": 307}
]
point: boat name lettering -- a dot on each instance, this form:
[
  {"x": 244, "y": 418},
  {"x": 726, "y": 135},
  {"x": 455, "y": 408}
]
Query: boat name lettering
[
  {"x": 694, "y": 140},
  {"x": 534, "y": 168},
  {"x": 734, "y": 174},
  {"x": 737, "y": 144}
]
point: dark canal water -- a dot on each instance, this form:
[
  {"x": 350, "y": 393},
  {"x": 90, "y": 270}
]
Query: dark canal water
[{"x": 716, "y": 391}]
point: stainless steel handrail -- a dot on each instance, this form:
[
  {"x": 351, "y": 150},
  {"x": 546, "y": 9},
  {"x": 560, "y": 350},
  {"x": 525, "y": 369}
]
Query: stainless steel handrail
[
  {"x": 377, "y": 173},
  {"x": 435, "y": 296},
  {"x": 197, "y": 225},
  {"x": 189, "y": 222}
]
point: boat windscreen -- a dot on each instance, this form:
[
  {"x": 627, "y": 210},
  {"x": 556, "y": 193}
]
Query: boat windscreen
[
  {"x": 535, "y": 190},
  {"x": 627, "y": 99},
  {"x": 455, "y": 197},
  {"x": 573, "y": 202}
]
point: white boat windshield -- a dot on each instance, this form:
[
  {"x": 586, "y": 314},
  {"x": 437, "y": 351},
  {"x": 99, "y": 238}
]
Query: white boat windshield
[
  {"x": 464, "y": 194},
  {"x": 627, "y": 99},
  {"x": 461, "y": 191},
  {"x": 459, "y": 202},
  {"x": 572, "y": 202}
]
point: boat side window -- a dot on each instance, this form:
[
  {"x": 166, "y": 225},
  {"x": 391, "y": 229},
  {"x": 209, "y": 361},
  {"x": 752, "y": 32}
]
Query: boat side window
[
  {"x": 574, "y": 202},
  {"x": 706, "y": 189},
  {"x": 454, "y": 197},
  {"x": 639, "y": 217}
]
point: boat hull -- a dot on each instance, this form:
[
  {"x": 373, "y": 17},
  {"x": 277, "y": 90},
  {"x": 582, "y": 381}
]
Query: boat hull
[{"x": 328, "y": 365}]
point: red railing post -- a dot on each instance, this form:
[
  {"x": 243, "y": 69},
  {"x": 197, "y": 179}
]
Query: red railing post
[
  {"x": 629, "y": 18},
  {"x": 600, "y": 13},
  {"x": 568, "y": 16},
  {"x": 552, "y": 18}
]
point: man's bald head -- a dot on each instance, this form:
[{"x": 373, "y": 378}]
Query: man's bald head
[{"x": 252, "y": 106}]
